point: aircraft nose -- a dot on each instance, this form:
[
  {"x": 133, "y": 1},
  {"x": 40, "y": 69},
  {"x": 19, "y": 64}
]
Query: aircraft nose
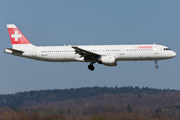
[{"x": 173, "y": 54}]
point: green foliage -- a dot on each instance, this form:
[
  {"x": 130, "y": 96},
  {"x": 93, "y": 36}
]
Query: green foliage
[
  {"x": 17, "y": 109},
  {"x": 32, "y": 98},
  {"x": 53, "y": 111},
  {"x": 99, "y": 118},
  {"x": 12, "y": 107},
  {"x": 61, "y": 111},
  {"x": 133, "y": 105}
]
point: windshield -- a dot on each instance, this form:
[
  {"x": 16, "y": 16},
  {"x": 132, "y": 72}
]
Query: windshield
[{"x": 167, "y": 49}]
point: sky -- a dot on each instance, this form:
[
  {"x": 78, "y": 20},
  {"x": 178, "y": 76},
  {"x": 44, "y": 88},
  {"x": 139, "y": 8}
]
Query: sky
[{"x": 89, "y": 22}]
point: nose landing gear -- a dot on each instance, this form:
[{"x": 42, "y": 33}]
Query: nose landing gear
[{"x": 156, "y": 66}]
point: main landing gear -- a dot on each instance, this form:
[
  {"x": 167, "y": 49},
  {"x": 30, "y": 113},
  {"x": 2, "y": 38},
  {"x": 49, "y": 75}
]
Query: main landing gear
[
  {"x": 156, "y": 66},
  {"x": 91, "y": 67}
]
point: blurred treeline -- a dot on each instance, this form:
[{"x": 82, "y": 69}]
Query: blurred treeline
[
  {"x": 32, "y": 98},
  {"x": 92, "y": 103}
]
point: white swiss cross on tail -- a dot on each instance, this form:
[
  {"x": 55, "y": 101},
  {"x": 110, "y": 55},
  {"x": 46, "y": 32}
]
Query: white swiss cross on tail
[{"x": 16, "y": 35}]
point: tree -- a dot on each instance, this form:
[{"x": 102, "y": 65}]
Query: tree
[
  {"x": 129, "y": 108},
  {"x": 158, "y": 112}
]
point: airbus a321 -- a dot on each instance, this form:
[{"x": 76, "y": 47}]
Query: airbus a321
[{"x": 107, "y": 55}]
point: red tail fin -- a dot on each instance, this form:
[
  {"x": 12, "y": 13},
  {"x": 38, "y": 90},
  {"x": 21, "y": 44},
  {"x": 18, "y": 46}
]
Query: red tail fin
[{"x": 16, "y": 36}]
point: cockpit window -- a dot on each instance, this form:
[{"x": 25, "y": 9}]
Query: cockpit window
[{"x": 167, "y": 49}]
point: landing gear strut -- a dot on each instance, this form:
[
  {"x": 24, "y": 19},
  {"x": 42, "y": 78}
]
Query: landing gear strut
[
  {"x": 91, "y": 67},
  {"x": 156, "y": 66}
]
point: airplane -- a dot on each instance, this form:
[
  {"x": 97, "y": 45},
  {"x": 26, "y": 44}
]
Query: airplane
[{"x": 107, "y": 55}]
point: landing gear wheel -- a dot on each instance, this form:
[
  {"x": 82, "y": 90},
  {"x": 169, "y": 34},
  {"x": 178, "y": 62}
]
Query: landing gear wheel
[
  {"x": 156, "y": 66},
  {"x": 91, "y": 67}
]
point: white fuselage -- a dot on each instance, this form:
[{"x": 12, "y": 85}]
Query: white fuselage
[{"x": 121, "y": 52}]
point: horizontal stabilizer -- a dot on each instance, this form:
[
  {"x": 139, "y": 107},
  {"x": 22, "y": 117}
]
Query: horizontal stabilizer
[{"x": 10, "y": 50}]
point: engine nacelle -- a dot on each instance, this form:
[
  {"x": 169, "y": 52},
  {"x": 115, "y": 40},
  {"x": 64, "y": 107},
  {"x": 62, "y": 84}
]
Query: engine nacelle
[{"x": 107, "y": 60}]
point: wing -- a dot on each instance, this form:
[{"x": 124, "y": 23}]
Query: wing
[
  {"x": 83, "y": 51},
  {"x": 86, "y": 54}
]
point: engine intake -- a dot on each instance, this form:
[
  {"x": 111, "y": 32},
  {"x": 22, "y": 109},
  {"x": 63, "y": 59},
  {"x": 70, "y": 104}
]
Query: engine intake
[{"x": 107, "y": 60}]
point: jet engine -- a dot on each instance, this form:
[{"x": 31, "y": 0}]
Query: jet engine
[{"x": 107, "y": 60}]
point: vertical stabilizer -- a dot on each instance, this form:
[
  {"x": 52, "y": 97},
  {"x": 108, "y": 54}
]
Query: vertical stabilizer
[{"x": 17, "y": 38}]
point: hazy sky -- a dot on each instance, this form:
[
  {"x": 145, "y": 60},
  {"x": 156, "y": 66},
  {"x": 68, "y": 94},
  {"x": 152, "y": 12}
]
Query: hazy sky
[{"x": 89, "y": 22}]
